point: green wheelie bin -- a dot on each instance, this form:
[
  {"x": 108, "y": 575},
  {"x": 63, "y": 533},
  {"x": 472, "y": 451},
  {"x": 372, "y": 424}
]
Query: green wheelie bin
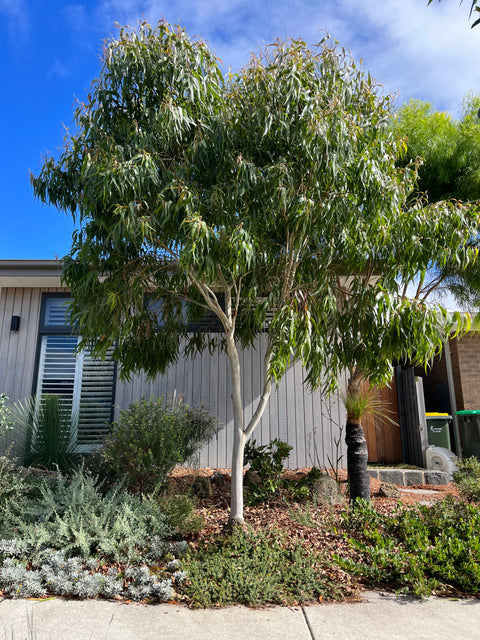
[
  {"x": 469, "y": 426},
  {"x": 438, "y": 427}
]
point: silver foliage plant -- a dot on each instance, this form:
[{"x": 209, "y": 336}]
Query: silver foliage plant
[{"x": 52, "y": 573}]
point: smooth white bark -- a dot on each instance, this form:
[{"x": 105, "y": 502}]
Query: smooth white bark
[{"x": 239, "y": 439}]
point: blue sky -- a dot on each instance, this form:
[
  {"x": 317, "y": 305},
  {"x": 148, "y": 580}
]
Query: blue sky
[{"x": 50, "y": 54}]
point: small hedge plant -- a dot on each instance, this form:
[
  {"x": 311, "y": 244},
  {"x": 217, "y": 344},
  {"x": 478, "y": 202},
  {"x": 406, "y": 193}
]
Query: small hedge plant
[{"x": 152, "y": 436}]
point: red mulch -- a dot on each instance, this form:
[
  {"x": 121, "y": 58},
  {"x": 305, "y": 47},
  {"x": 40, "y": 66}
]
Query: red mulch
[
  {"x": 321, "y": 531},
  {"x": 280, "y": 514}
]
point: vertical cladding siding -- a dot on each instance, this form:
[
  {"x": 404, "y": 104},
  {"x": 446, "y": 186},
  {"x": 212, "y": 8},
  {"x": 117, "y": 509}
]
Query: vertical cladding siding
[
  {"x": 18, "y": 348},
  {"x": 304, "y": 419}
]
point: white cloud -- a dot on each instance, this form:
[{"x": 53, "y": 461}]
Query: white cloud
[
  {"x": 18, "y": 23},
  {"x": 414, "y": 50},
  {"x": 57, "y": 70},
  {"x": 425, "y": 52}
]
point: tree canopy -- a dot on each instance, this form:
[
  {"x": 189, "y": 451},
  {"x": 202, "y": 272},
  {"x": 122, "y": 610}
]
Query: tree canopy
[
  {"x": 449, "y": 153},
  {"x": 449, "y": 148},
  {"x": 270, "y": 197},
  {"x": 474, "y": 9}
]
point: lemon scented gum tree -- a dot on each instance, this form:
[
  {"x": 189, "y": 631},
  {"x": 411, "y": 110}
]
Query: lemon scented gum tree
[{"x": 271, "y": 194}]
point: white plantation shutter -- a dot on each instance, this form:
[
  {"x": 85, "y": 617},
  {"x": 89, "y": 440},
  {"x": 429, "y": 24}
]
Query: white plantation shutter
[
  {"x": 96, "y": 399},
  {"x": 85, "y": 385},
  {"x": 59, "y": 369}
]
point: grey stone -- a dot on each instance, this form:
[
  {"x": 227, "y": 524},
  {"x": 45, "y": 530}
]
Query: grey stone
[
  {"x": 252, "y": 479},
  {"x": 202, "y": 487},
  {"x": 326, "y": 489},
  {"x": 437, "y": 477},
  {"x": 218, "y": 476},
  {"x": 388, "y": 490},
  {"x": 414, "y": 477},
  {"x": 393, "y": 476},
  {"x": 373, "y": 473}
]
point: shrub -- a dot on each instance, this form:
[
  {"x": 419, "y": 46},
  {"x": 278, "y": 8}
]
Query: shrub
[
  {"x": 5, "y": 422},
  {"x": 467, "y": 478},
  {"x": 73, "y": 515},
  {"x": 268, "y": 461},
  {"x": 14, "y": 493},
  {"x": 152, "y": 436},
  {"x": 179, "y": 510}
]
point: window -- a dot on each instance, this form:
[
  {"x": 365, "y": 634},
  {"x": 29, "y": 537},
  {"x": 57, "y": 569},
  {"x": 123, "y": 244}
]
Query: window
[
  {"x": 85, "y": 385},
  {"x": 206, "y": 320}
]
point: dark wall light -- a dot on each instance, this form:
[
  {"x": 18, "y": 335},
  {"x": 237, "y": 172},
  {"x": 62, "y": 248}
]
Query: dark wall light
[{"x": 15, "y": 323}]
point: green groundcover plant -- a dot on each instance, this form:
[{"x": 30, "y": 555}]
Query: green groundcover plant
[
  {"x": 257, "y": 568},
  {"x": 418, "y": 550},
  {"x": 467, "y": 478}
]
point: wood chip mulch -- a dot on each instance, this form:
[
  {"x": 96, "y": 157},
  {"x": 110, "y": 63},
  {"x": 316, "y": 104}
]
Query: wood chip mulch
[{"x": 321, "y": 532}]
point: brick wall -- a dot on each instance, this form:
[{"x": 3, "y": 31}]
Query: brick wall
[
  {"x": 435, "y": 385},
  {"x": 465, "y": 352}
]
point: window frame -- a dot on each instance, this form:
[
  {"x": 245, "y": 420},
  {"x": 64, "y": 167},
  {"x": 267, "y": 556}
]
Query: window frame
[{"x": 65, "y": 330}]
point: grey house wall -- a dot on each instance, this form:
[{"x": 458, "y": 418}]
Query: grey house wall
[
  {"x": 302, "y": 418},
  {"x": 310, "y": 423}
]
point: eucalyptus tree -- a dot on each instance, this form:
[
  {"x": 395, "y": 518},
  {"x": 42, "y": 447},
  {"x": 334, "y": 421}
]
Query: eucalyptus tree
[
  {"x": 270, "y": 197},
  {"x": 474, "y": 7}
]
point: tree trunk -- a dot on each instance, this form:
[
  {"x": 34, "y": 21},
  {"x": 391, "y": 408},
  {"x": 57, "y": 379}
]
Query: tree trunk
[
  {"x": 236, "y": 506},
  {"x": 241, "y": 432},
  {"x": 357, "y": 458},
  {"x": 357, "y": 451}
]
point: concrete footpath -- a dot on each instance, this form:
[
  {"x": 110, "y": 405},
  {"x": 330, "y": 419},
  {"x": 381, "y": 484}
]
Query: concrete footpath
[{"x": 379, "y": 615}]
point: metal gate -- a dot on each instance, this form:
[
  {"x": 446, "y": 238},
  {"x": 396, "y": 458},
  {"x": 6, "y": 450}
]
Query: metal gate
[{"x": 411, "y": 409}]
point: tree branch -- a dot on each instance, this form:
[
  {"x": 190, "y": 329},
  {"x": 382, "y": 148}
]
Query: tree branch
[{"x": 267, "y": 389}]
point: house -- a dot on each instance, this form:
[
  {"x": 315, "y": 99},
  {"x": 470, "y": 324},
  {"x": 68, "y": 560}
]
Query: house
[
  {"x": 37, "y": 355},
  {"x": 451, "y": 385}
]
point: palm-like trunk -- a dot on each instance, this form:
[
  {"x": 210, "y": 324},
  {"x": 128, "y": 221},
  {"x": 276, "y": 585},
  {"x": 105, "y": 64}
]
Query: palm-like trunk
[
  {"x": 357, "y": 451},
  {"x": 357, "y": 457}
]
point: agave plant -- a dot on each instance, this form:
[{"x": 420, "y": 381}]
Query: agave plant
[{"x": 46, "y": 427}]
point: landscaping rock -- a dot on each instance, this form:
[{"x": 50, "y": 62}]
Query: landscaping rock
[
  {"x": 437, "y": 477},
  {"x": 413, "y": 477},
  {"x": 202, "y": 487},
  {"x": 251, "y": 479},
  {"x": 326, "y": 489},
  {"x": 392, "y": 476},
  {"x": 388, "y": 490},
  {"x": 219, "y": 476}
]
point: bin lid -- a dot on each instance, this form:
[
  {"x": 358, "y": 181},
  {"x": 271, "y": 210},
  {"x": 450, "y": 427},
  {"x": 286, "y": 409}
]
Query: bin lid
[
  {"x": 474, "y": 412},
  {"x": 435, "y": 414}
]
